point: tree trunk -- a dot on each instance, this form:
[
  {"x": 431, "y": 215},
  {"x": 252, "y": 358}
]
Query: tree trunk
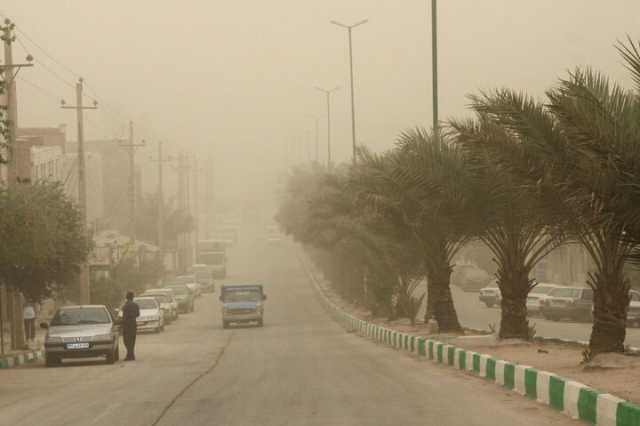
[
  {"x": 610, "y": 303},
  {"x": 514, "y": 286},
  {"x": 440, "y": 301},
  {"x": 513, "y": 318}
]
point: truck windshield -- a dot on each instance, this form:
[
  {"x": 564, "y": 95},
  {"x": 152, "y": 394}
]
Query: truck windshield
[
  {"x": 211, "y": 258},
  {"x": 242, "y": 296}
]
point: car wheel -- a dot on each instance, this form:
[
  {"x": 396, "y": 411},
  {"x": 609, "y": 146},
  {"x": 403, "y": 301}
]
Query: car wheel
[
  {"x": 225, "y": 324},
  {"x": 260, "y": 322},
  {"x": 111, "y": 357},
  {"x": 489, "y": 304},
  {"x": 116, "y": 354},
  {"x": 51, "y": 360}
]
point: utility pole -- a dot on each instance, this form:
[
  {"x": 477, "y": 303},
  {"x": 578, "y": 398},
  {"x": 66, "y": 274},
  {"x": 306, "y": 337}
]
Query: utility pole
[
  {"x": 434, "y": 64},
  {"x": 85, "y": 291},
  {"x": 132, "y": 182},
  {"x": 196, "y": 203},
  {"x": 183, "y": 205},
  {"x": 349, "y": 29},
  {"x": 161, "y": 214},
  {"x": 9, "y": 72},
  {"x": 328, "y": 96}
]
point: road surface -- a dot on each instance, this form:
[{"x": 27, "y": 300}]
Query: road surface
[{"x": 300, "y": 369}]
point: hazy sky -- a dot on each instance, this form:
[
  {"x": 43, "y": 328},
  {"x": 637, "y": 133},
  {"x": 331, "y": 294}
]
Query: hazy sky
[{"x": 239, "y": 75}]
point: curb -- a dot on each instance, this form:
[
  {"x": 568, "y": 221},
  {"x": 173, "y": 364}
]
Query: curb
[
  {"x": 574, "y": 399},
  {"x": 10, "y": 361}
]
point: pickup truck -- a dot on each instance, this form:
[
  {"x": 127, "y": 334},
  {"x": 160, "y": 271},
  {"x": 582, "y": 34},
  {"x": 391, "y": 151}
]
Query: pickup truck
[{"x": 242, "y": 304}]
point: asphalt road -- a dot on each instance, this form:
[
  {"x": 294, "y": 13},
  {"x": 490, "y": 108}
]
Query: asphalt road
[
  {"x": 300, "y": 369},
  {"x": 475, "y": 314}
]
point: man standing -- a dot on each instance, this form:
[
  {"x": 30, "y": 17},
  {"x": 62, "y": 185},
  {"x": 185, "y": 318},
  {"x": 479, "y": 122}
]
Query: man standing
[
  {"x": 130, "y": 312},
  {"x": 29, "y": 315}
]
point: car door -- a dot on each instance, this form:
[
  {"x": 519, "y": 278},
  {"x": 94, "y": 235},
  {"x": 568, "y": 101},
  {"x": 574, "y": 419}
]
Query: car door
[{"x": 584, "y": 304}]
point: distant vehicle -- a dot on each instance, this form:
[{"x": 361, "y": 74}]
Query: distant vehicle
[
  {"x": 242, "y": 304},
  {"x": 217, "y": 261},
  {"x": 568, "y": 302},
  {"x": 538, "y": 295},
  {"x": 167, "y": 303},
  {"x": 491, "y": 294},
  {"x": 204, "y": 277},
  {"x": 228, "y": 234},
  {"x": 469, "y": 277},
  {"x": 633, "y": 314},
  {"x": 170, "y": 294},
  {"x": 184, "y": 296},
  {"x": 195, "y": 288},
  {"x": 151, "y": 317},
  {"x": 212, "y": 245},
  {"x": 81, "y": 331}
]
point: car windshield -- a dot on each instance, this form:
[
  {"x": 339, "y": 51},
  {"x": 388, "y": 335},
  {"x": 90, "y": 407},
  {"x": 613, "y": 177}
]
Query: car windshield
[
  {"x": 563, "y": 292},
  {"x": 542, "y": 289},
  {"x": 242, "y": 296},
  {"x": 146, "y": 303},
  {"x": 161, "y": 298},
  {"x": 78, "y": 316}
]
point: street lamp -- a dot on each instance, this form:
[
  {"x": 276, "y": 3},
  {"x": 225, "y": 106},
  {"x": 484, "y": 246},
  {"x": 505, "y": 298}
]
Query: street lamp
[
  {"x": 353, "y": 112},
  {"x": 317, "y": 140},
  {"x": 328, "y": 95}
]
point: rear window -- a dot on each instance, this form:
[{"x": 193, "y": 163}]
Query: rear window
[
  {"x": 242, "y": 296},
  {"x": 79, "y": 316},
  {"x": 541, "y": 289},
  {"x": 147, "y": 303}
]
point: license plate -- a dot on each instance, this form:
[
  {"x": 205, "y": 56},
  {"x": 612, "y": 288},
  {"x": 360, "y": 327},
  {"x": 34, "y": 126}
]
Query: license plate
[{"x": 77, "y": 345}]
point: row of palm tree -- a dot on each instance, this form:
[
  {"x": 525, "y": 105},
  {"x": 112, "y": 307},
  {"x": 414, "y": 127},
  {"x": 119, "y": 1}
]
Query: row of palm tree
[{"x": 523, "y": 176}]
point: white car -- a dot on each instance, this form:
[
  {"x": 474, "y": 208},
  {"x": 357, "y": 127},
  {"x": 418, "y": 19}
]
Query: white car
[
  {"x": 491, "y": 295},
  {"x": 151, "y": 317},
  {"x": 167, "y": 303},
  {"x": 633, "y": 314},
  {"x": 195, "y": 288},
  {"x": 538, "y": 295},
  {"x": 173, "y": 303}
]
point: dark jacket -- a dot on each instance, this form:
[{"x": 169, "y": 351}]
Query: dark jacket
[{"x": 130, "y": 311}]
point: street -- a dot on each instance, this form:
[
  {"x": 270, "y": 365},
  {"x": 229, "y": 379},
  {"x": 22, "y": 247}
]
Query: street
[{"x": 300, "y": 369}]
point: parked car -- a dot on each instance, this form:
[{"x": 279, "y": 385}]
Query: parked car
[
  {"x": 195, "y": 288},
  {"x": 204, "y": 276},
  {"x": 568, "y": 302},
  {"x": 469, "y": 277},
  {"x": 81, "y": 331},
  {"x": 490, "y": 295},
  {"x": 184, "y": 296},
  {"x": 242, "y": 304},
  {"x": 171, "y": 304},
  {"x": 538, "y": 295},
  {"x": 151, "y": 316},
  {"x": 633, "y": 314}
]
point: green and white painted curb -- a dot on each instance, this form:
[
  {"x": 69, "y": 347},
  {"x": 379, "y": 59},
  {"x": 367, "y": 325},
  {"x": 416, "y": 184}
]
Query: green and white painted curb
[
  {"x": 10, "y": 361},
  {"x": 574, "y": 399}
]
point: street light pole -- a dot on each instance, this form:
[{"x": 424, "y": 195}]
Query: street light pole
[
  {"x": 434, "y": 63},
  {"x": 328, "y": 95},
  {"x": 349, "y": 29}
]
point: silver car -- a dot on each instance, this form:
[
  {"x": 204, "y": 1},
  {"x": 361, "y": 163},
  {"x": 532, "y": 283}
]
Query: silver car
[{"x": 81, "y": 331}]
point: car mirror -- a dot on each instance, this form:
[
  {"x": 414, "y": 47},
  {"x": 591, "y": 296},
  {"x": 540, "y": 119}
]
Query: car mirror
[{"x": 44, "y": 325}]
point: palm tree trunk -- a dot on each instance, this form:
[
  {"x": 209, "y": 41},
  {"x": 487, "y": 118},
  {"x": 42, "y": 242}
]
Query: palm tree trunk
[
  {"x": 440, "y": 302},
  {"x": 611, "y": 301},
  {"x": 514, "y": 286}
]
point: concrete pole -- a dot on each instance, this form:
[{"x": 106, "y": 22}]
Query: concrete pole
[
  {"x": 84, "y": 278},
  {"x": 160, "y": 223},
  {"x": 328, "y": 130},
  {"x": 353, "y": 103},
  {"x": 434, "y": 63},
  {"x": 132, "y": 186},
  {"x": 14, "y": 296}
]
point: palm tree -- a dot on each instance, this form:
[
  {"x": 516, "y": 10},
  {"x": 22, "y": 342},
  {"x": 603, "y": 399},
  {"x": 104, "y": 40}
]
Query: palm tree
[
  {"x": 508, "y": 217},
  {"x": 575, "y": 145},
  {"x": 421, "y": 185}
]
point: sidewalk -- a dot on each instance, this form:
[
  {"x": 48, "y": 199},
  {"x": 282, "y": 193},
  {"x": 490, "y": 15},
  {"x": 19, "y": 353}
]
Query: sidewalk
[{"x": 33, "y": 352}]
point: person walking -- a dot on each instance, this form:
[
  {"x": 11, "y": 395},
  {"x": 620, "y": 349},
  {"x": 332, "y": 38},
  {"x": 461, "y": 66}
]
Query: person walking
[
  {"x": 29, "y": 315},
  {"x": 130, "y": 312}
]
